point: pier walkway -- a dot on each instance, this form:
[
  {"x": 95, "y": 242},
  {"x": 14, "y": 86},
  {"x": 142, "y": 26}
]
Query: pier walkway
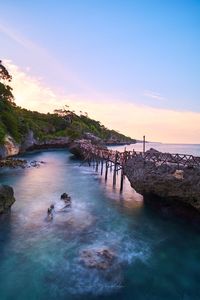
[{"x": 99, "y": 156}]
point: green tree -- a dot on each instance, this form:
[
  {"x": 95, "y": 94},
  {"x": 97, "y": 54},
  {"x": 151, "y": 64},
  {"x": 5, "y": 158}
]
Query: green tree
[
  {"x": 4, "y": 74},
  {"x": 5, "y": 90}
]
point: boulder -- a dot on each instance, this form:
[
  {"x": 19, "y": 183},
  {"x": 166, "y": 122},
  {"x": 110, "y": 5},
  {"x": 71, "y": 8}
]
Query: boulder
[
  {"x": 6, "y": 198},
  {"x": 152, "y": 151},
  {"x": 64, "y": 196}
]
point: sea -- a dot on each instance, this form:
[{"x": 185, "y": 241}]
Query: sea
[{"x": 155, "y": 258}]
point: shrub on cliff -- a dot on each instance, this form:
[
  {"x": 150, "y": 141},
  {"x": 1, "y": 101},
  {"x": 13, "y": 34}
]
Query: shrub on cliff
[
  {"x": 11, "y": 123},
  {"x": 2, "y": 133}
]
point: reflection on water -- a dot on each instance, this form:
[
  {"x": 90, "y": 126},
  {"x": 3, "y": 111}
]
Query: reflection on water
[{"x": 41, "y": 259}]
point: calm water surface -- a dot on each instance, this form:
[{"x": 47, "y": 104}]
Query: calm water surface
[
  {"x": 156, "y": 258},
  {"x": 193, "y": 149}
]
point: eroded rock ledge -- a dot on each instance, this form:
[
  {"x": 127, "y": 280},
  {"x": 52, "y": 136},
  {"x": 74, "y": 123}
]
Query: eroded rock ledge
[{"x": 164, "y": 184}]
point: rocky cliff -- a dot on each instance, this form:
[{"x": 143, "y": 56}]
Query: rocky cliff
[
  {"x": 164, "y": 185},
  {"x": 11, "y": 148}
]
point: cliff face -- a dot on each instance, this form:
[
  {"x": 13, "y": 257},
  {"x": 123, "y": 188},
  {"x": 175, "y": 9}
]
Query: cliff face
[
  {"x": 6, "y": 197},
  {"x": 30, "y": 143},
  {"x": 9, "y": 148}
]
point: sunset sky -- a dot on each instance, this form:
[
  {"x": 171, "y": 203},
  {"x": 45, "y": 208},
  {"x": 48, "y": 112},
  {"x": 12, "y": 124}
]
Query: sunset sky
[{"x": 133, "y": 65}]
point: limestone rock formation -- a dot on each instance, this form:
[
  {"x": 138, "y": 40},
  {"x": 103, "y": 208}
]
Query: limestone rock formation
[
  {"x": 9, "y": 148},
  {"x": 164, "y": 182}
]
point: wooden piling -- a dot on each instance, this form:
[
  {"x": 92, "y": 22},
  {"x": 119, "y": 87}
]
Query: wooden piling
[
  {"x": 106, "y": 172},
  {"x": 122, "y": 180},
  {"x": 144, "y": 144},
  {"x": 97, "y": 164},
  {"x": 101, "y": 167},
  {"x": 115, "y": 169}
]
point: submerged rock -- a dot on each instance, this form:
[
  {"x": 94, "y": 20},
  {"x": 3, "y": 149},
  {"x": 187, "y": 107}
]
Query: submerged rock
[
  {"x": 97, "y": 258},
  {"x": 13, "y": 163},
  {"x": 19, "y": 163},
  {"x": 6, "y": 197},
  {"x": 64, "y": 196}
]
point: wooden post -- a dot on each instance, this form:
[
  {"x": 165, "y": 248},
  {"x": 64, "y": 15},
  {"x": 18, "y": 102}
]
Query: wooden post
[
  {"x": 93, "y": 161},
  {"x": 106, "y": 173},
  {"x": 97, "y": 164},
  {"x": 122, "y": 180},
  {"x": 101, "y": 166},
  {"x": 144, "y": 144},
  {"x": 115, "y": 168},
  {"x": 89, "y": 161}
]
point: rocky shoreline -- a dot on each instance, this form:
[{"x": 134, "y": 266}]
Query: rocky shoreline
[
  {"x": 164, "y": 187},
  {"x": 11, "y": 149},
  {"x": 19, "y": 163}
]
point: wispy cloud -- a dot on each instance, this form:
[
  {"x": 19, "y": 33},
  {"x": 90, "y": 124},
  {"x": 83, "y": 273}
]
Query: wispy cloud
[
  {"x": 153, "y": 95},
  {"x": 130, "y": 118},
  {"x": 14, "y": 36},
  {"x": 43, "y": 57}
]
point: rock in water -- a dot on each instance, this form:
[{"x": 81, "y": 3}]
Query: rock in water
[
  {"x": 6, "y": 197},
  {"x": 98, "y": 258},
  {"x": 64, "y": 196}
]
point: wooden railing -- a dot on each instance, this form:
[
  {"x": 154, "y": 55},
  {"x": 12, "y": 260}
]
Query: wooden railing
[
  {"x": 100, "y": 156},
  {"x": 92, "y": 151}
]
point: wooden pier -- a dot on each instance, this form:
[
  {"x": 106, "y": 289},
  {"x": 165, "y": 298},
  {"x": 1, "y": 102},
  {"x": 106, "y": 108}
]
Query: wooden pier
[{"x": 102, "y": 158}]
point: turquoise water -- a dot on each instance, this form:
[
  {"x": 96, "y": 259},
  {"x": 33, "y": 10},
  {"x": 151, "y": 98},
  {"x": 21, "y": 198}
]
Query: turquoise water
[{"x": 156, "y": 258}]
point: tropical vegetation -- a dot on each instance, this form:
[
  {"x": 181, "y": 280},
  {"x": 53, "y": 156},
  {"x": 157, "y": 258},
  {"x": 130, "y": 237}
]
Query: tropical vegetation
[{"x": 17, "y": 121}]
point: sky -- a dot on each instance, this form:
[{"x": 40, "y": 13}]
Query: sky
[{"x": 133, "y": 65}]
